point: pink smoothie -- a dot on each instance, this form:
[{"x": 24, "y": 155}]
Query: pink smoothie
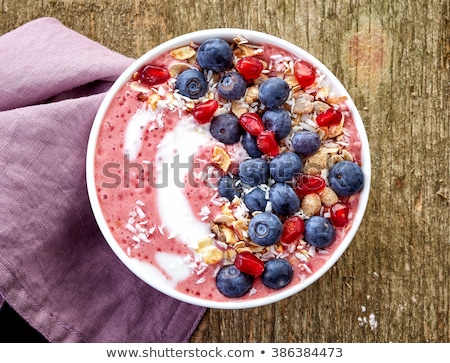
[{"x": 156, "y": 180}]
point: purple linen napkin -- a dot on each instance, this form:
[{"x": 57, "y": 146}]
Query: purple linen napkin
[{"x": 56, "y": 270}]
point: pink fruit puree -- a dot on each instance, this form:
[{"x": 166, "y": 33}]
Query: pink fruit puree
[{"x": 146, "y": 216}]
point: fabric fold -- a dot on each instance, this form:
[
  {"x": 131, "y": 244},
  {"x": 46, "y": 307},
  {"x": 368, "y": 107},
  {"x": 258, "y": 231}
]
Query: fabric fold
[{"x": 56, "y": 270}]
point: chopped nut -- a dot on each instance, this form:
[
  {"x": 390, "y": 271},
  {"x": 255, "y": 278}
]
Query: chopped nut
[
  {"x": 139, "y": 87},
  {"x": 291, "y": 80},
  {"x": 328, "y": 197},
  {"x": 230, "y": 237},
  {"x": 244, "y": 50},
  {"x": 320, "y": 106},
  {"x": 238, "y": 108},
  {"x": 315, "y": 163},
  {"x": 211, "y": 255},
  {"x": 183, "y": 53},
  {"x": 221, "y": 158},
  {"x": 176, "y": 68},
  {"x": 240, "y": 227},
  {"x": 251, "y": 95},
  {"x": 336, "y": 100},
  {"x": 152, "y": 100},
  {"x": 334, "y": 159},
  {"x": 311, "y": 204},
  {"x": 346, "y": 155},
  {"x": 303, "y": 103}
]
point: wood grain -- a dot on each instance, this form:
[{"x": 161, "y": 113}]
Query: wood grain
[{"x": 392, "y": 284}]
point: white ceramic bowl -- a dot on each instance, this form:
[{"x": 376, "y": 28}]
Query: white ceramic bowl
[{"x": 197, "y": 37}]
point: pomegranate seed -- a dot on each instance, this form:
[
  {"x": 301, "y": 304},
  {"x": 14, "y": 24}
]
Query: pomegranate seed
[
  {"x": 203, "y": 112},
  {"x": 250, "y": 264},
  {"x": 249, "y": 67},
  {"x": 266, "y": 141},
  {"x": 307, "y": 184},
  {"x": 293, "y": 228},
  {"x": 152, "y": 75},
  {"x": 339, "y": 214},
  {"x": 252, "y": 123},
  {"x": 305, "y": 74},
  {"x": 329, "y": 118}
]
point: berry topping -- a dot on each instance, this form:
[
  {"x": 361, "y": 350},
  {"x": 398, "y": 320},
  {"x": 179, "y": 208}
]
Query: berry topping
[
  {"x": 215, "y": 54},
  {"x": 191, "y": 83},
  {"x": 319, "y": 232},
  {"x": 308, "y": 184},
  {"x": 203, "y": 112},
  {"x": 346, "y": 178},
  {"x": 225, "y": 128},
  {"x": 249, "y": 143},
  {"x": 232, "y": 86},
  {"x": 252, "y": 123},
  {"x": 152, "y": 75},
  {"x": 233, "y": 283},
  {"x": 255, "y": 200},
  {"x": 277, "y": 273},
  {"x": 229, "y": 188},
  {"x": 249, "y": 67},
  {"x": 248, "y": 263},
  {"x": 284, "y": 166},
  {"x": 293, "y": 229},
  {"x": 267, "y": 143},
  {"x": 274, "y": 92},
  {"x": 339, "y": 214},
  {"x": 329, "y": 118},
  {"x": 306, "y": 142},
  {"x": 279, "y": 121},
  {"x": 265, "y": 229},
  {"x": 304, "y": 73},
  {"x": 254, "y": 171},
  {"x": 284, "y": 200}
]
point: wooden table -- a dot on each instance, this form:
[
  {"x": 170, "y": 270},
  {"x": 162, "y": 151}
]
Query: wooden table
[{"x": 392, "y": 284}]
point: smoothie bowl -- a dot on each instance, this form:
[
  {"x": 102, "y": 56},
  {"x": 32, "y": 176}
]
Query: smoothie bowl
[{"x": 228, "y": 168}]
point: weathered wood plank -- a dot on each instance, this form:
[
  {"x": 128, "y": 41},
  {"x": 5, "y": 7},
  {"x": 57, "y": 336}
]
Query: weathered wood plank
[{"x": 393, "y": 57}]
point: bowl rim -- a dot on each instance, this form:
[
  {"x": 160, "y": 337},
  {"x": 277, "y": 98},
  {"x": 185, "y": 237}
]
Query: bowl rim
[{"x": 253, "y": 37}]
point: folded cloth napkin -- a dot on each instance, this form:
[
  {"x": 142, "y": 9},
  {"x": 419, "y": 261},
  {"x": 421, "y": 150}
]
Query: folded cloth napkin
[{"x": 56, "y": 270}]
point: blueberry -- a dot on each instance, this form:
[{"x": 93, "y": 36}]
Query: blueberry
[
  {"x": 277, "y": 273},
  {"x": 232, "y": 86},
  {"x": 255, "y": 200},
  {"x": 346, "y": 178},
  {"x": 279, "y": 121},
  {"x": 273, "y": 92},
  {"x": 254, "y": 171},
  {"x": 249, "y": 143},
  {"x": 284, "y": 166},
  {"x": 191, "y": 83},
  {"x": 283, "y": 199},
  {"x": 319, "y": 232},
  {"x": 215, "y": 54},
  {"x": 225, "y": 128},
  {"x": 306, "y": 142},
  {"x": 265, "y": 229},
  {"x": 233, "y": 283},
  {"x": 229, "y": 188}
]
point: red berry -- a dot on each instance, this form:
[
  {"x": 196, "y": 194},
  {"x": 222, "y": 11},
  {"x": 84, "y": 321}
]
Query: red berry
[
  {"x": 203, "y": 112},
  {"x": 339, "y": 214},
  {"x": 252, "y": 123},
  {"x": 267, "y": 142},
  {"x": 250, "y": 264},
  {"x": 329, "y": 118},
  {"x": 307, "y": 184},
  {"x": 249, "y": 67},
  {"x": 305, "y": 74},
  {"x": 152, "y": 75},
  {"x": 293, "y": 228}
]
